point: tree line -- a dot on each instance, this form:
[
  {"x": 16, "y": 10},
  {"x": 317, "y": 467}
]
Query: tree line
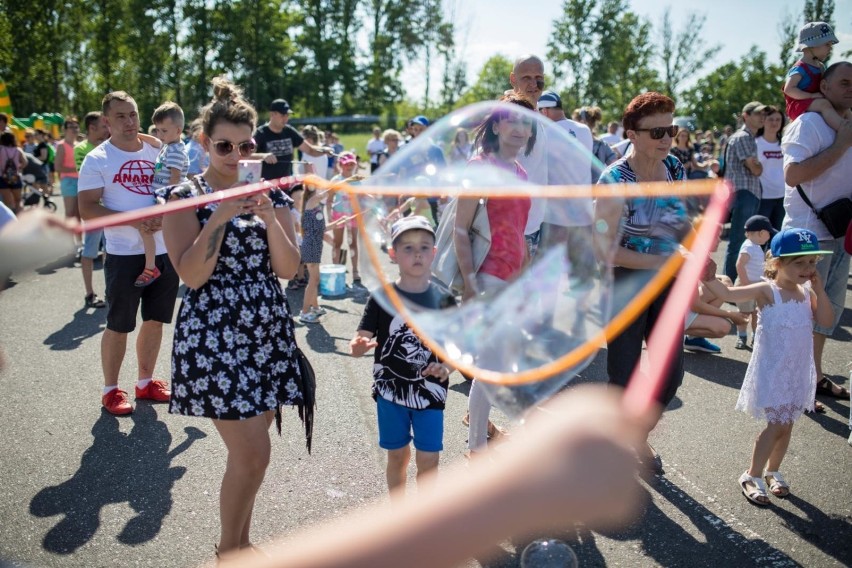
[{"x": 339, "y": 57}]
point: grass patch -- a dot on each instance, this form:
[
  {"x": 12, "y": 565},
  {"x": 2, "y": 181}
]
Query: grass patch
[{"x": 356, "y": 142}]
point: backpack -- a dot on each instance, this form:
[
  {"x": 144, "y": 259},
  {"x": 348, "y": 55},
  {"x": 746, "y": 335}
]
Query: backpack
[
  {"x": 10, "y": 172},
  {"x": 723, "y": 163}
]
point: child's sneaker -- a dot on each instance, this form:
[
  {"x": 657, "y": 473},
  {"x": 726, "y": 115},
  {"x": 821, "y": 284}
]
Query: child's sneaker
[
  {"x": 148, "y": 275},
  {"x": 742, "y": 342},
  {"x": 700, "y": 344},
  {"x": 309, "y": 317}
]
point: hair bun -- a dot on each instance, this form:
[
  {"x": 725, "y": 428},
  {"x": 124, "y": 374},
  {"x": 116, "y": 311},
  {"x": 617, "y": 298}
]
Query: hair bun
[{"x": 224, "y": 90}]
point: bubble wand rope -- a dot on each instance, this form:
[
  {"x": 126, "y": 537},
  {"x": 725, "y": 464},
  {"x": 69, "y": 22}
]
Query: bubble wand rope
[
  {"x": 667, "y": 335},
  {"x": 129, "y": 217}
]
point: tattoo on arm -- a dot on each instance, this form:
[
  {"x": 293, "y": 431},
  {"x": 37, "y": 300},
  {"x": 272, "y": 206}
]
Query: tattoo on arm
[{"x": 213, "y": 243}]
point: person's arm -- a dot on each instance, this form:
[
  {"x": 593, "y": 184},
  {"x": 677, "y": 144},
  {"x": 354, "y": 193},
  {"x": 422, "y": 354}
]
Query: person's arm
[
  {"x": 753, "y": 165},
  {"x": 151, "y": 140},
  {"x": 309, "y": 148},
  {"x": 461, "y": 241},
  {"x": 194, "y": 250},
  {"x": 23, "y": 163},
  {"x": 742, "y": 262},
  {"x": 699, "y": 306},
  {"x": 820, "y": 302},
  {"x": 572, "y": 462},
  {"x": 796, "y": 173},
  {"x": 792, "y": 90},
  {"x": 280, "y": 235},
  {"x": 760, "y": 292},
  {"x": 362, "y": 343}
]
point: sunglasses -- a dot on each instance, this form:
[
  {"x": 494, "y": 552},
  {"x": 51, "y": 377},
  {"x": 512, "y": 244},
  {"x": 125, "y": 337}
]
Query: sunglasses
[
  {"x": 225, "y": 147},
  {"x": 660, "y": 131}
]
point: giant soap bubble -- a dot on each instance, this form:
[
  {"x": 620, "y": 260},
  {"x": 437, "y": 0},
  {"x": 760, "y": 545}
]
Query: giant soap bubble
[{"x": 524, "y": 325}]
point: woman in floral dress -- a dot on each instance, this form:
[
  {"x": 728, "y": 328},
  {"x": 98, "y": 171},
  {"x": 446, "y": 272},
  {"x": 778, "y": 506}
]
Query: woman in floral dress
[{"x": 234, "y": 353}]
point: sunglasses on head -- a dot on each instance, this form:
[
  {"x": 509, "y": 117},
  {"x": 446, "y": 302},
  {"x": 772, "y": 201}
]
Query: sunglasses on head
[
  {"x": 660, "y": 131},
  {"x": 225, "y": 147}
]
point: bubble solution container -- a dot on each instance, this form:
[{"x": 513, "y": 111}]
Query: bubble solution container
[{"x": 332, "y": 280}]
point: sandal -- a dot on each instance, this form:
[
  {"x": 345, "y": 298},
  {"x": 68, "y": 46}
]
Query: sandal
[
  {"x": 148, "y": 275},
  {"x": 293, "y": 285},
  {"x": 827, "y": 387},
  {"x": 756, "y": 493},
  {"x": 778, "y": 486},
  {"x": 92, "y": 301}
]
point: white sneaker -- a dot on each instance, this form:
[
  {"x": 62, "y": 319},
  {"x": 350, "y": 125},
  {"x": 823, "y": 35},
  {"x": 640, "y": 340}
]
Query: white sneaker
[
  {"x": 309, "y": 317},
  {"x": 318, "y": 311}
]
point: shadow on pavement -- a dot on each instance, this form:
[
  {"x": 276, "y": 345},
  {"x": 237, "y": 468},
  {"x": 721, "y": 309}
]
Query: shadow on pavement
[
  {"x": 51, "y": 267},
  {"x": 667, "y": 541},
  {"x": 129, "y": 468},
  {"x": 87, "y": 322},
  {"x": 828, "y": 533},
  {"x": 715, "y": 368}
]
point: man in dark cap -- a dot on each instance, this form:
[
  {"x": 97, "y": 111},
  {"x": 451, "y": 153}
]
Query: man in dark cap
[{"x": 279, "y": 140}]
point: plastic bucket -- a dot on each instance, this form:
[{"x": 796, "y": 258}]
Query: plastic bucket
[{"x": 332, "y": 280}]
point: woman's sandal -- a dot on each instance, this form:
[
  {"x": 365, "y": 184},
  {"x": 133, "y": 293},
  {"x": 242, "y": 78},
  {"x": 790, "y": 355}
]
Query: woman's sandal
[
  {"x": 827, "y": 387},
  {"x": 778, "y": 486},
  {"x": 756, "y": 492}
]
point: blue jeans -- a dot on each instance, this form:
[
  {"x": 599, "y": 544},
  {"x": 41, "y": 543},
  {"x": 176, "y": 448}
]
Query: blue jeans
[
  {"x": 745, "y": 205},
  {"x": 773, "y": 209}
]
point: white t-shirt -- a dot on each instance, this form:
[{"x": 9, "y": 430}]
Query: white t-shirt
[
  {"x": 126, "y": 179},
  {"x": 374, "y": 148},
  {"x": 320, "y": 163},
  {"x": 612, "y": 139},
  {"x": 806, "y": 137},
  {"x": 754, "y": 267},
  {"x": 536, "y": 166},
  {"x": 622, "y": 147},
  {"x": 569, "y": 164},
  {"x": 771, "y": 158}
]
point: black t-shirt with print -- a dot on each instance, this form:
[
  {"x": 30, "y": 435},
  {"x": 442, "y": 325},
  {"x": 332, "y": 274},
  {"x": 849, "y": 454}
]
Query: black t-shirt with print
[
  {"x": 282, "y": 144},
  {"x": 400, "y": 356}
]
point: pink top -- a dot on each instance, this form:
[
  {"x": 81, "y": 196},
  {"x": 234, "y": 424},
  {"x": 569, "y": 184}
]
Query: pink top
[
  {"x": 68, "y": 159},
  {"x": 507, "y": 218}
]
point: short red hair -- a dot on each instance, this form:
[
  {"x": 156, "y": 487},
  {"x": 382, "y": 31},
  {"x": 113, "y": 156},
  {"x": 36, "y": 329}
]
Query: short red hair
[{"x": 646, "y": 104}]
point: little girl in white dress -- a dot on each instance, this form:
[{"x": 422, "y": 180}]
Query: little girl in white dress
[{"x": 780, "y": 382}]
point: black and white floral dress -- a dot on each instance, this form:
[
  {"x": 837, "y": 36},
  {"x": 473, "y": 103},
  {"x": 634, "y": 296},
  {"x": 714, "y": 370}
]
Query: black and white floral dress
[{"x": 234, "y": 350}]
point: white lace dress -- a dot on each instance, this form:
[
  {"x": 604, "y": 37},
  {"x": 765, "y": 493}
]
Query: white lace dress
[{"x": 780, "y": 382}]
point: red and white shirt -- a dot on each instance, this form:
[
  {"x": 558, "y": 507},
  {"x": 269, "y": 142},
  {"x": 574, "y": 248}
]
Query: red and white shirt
[{"x": 126, "y": 180}]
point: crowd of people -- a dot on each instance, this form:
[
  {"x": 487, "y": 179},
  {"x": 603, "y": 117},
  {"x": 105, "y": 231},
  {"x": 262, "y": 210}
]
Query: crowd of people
[{"x": 234, "y": 354}]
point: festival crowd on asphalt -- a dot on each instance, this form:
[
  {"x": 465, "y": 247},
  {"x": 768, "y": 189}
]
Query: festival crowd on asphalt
[{"x": 235, "y": 359}]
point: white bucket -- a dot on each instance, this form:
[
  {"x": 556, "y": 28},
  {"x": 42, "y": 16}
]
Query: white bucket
[{"x": 332, "y": 280}]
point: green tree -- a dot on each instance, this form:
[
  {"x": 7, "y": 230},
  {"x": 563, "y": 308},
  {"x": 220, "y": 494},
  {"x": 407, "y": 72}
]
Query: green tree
[
  {"x": 717, "y": 99},
  {"x": 602, "y": 54},
  {"x": 683, "y": 53},
  {"x": 490, "y": 84}
]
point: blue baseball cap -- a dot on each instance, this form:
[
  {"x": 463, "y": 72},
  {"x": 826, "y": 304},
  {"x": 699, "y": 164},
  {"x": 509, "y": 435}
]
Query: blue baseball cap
[
  {"x": 795, "y": 242},
  {"x": 549, "y": 99},
  {"x": 421, "y": 120}
]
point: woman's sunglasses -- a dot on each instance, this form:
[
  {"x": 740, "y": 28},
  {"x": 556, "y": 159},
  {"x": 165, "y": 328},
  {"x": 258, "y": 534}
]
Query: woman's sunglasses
[
  {"x": 660, "y": 131},
  {"x": 225, "y": 147}
]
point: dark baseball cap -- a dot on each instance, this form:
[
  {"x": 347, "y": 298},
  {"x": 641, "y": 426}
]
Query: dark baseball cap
[
  {"x": 759, "y": 223},
  {"x": 280, "y": 105},
  {"x": 549, "y": 99}
]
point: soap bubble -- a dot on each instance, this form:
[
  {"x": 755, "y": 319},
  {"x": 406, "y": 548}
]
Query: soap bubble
[
  {"x": 548, "y": 553},
  {"x": 536, "y": 322}
]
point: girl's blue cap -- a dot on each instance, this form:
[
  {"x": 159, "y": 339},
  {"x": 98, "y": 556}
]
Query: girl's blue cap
[{"x": 795, "y": 242}]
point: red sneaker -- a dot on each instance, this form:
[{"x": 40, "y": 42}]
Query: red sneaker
[
  {"x": 157, "y": 391},
  {"x": 115, "y": 402}
]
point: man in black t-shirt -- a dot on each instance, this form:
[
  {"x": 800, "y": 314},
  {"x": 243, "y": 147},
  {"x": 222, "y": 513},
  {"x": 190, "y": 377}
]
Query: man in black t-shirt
[{"x": 279, "y": 140}]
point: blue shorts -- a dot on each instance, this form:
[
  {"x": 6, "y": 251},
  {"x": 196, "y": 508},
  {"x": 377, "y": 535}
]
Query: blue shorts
[
  {"x": 68, "y": 187},
  {"x": 396, "y": 423},
  {"x": 92, "y": 243}
]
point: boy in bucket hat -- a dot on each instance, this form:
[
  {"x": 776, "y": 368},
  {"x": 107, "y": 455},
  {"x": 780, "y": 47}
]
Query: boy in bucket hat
[{"x": 802, "y": 87}]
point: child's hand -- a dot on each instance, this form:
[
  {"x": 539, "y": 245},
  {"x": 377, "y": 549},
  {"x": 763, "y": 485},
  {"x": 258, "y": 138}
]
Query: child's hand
[
  {"x": 360, "y": 345},
  {"x": 816, "y": 282},
  {"x": 738, "y": 318},
  {"x": 438, "y": 371}
]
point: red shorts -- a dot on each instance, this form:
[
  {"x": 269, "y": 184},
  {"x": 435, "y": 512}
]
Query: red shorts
[{"x": 797, "y": 107}]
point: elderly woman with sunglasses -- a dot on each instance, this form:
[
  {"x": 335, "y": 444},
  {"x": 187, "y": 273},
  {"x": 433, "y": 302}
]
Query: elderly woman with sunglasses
[
  {"x": 651, "y": 231},
  {"x": 233, "y": 355}
]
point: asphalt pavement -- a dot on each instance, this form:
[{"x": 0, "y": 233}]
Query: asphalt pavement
[{"x": 79, "y": 487}]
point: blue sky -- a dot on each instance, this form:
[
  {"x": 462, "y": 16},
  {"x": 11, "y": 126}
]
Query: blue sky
[{"x": 512, "y": 27}]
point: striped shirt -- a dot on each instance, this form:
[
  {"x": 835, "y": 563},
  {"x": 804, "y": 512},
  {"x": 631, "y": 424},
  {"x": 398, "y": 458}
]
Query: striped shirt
[{"x": 171, "y": 156}]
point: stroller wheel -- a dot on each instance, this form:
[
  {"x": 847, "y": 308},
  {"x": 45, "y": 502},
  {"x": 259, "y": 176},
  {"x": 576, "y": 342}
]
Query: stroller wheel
[{"x": 50, "y": 205}]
